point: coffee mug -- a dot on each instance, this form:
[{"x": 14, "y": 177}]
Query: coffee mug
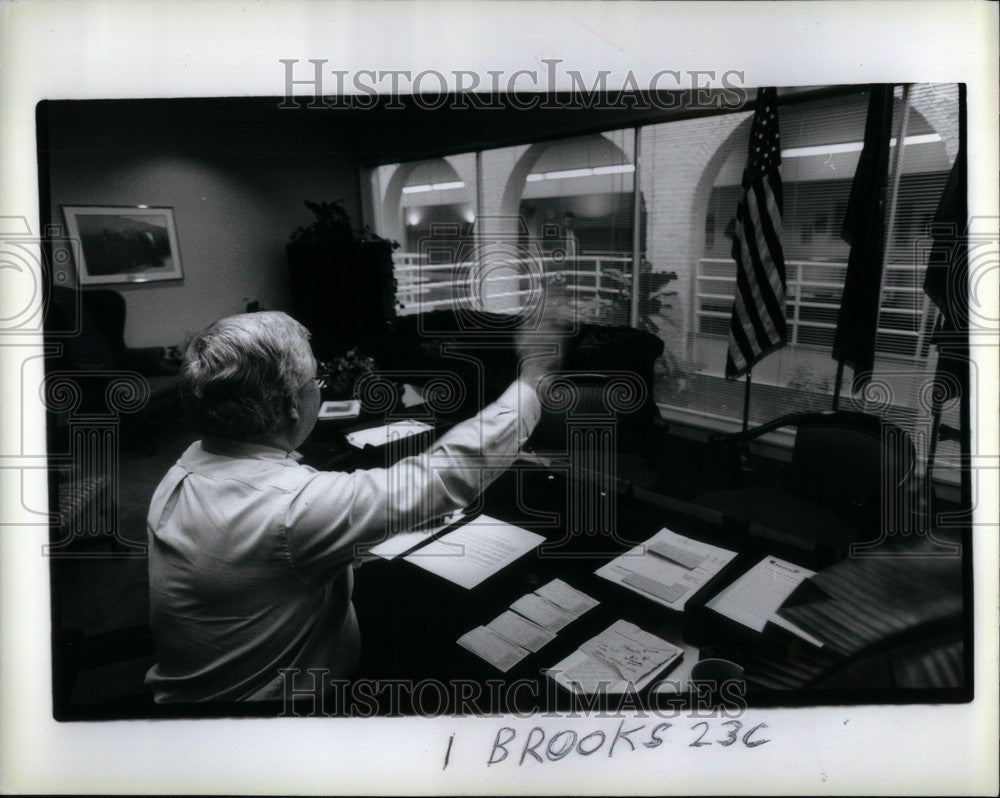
[{"x": 716, "y": 670}]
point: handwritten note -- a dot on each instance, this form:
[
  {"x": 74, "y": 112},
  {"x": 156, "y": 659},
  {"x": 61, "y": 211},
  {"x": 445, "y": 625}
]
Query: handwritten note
[
  {"x": 633, "y": 652},
  {"x": 566, "y": 597},
  {"x": 500, "y": 653},
  {"x": 620, "y": 658},
  {"x": 589, "y": 674},
  {"x": 520, "y": 631}
]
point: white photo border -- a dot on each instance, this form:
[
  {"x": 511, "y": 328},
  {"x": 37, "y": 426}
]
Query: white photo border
[{"x": 118, "y": 49}]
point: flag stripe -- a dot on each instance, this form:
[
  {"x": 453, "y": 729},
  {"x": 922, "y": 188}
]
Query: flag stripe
[
  {"x": 768, "y": 283},
  {"x": 758, "y": 324},
  {"x": 755, "y": 323}
]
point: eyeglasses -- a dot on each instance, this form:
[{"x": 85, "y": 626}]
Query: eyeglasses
[{"x": 319, "y": 379}]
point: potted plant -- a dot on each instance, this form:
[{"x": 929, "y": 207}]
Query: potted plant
[{"x": 341, "y": 277}]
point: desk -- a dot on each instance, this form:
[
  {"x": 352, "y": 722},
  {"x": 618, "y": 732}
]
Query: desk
[{"x": 411, "y": 620}]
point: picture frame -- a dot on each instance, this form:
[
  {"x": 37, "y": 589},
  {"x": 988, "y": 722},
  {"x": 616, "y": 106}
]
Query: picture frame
[{"x": 124, "y": 244}]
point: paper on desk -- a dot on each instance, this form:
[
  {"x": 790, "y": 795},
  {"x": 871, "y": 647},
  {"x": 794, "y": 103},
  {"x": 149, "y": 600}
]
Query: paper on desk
[
  {"x": 500, "y": 653},
  {"x": 662, "y": 579},
  {"x": 589, "y": 674},
  {"x": 520, "y": 631},
  {"x": 753, "y": 599},
  {"x": 629, "y": 647},
  {"x": 633, "y": 652},
  {"x": 404, "y": 541},
  {"x": 542, "y": 612},
  {"x": 475, "y": 550},
  {"x": 345, "y": 408},
  {"x": 380, "y": 436},
  {"x": 566, "y": 597},
  {"x": 412, "y": 395}
]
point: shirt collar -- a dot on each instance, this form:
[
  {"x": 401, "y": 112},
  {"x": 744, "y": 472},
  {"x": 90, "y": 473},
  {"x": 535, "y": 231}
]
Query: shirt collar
[{"x": 246, "y": 450}]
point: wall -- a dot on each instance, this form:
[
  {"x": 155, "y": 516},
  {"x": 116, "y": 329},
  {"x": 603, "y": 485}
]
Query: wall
[{"x": 236, "y": 180}]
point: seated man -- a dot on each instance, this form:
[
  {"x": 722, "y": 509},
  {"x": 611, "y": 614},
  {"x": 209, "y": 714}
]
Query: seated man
[{"x": 250, "y": 560}]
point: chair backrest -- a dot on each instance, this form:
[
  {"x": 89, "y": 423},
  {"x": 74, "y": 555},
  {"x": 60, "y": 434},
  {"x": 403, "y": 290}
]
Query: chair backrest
[
  {"x": 588, "y": 400},
  {"x": 846, "y": 459}
]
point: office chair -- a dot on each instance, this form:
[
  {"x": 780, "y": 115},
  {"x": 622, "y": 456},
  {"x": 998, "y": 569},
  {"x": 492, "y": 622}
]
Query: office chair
[
  {"x": 845, "y": 469},
  {"x": 589, "y": 416}
]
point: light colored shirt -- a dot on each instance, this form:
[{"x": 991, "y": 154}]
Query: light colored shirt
[{"x": 251, "y": 553}]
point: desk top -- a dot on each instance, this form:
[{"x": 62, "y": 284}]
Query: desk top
[{"x": 411, "y": 619}]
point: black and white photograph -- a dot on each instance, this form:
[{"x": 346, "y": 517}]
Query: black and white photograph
[
  {"x": 514, "y": 423},
  {"x": 120, "y": 245}
]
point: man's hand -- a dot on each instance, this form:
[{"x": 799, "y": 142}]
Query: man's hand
[{"x": 541, "y": 349}]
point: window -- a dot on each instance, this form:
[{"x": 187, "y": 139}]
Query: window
[
  {"x": 562, "y": 207},
  {"x": 568, "y": 207}
]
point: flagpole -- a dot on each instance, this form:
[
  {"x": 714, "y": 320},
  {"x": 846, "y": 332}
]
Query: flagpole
[
  {"x": 746, "y": 401},
  {"x": 840, "y": 379}
]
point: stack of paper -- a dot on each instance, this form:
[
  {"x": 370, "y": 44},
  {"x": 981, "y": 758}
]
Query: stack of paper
[
  {"x": 493, "y": 648},
  {"x": 566, "y": 597},
  {"x": 668, "y": 568},
  {"x": 522, "y": 632},
  {"x": 380, "y": 436},
  {"x": 621, "y": 657},
  {"x": 753, "y": 599},
  {"x": 475, "y": 550},
  {"x": 531, "y": 622},
  {"x": 345, "y": 408}
]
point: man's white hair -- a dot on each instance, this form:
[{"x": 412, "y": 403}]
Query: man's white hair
[{"x": 241, "y": 372}]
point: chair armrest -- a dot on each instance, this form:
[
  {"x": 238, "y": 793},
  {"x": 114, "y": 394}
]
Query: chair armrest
[{"x": 150, "y": 361}]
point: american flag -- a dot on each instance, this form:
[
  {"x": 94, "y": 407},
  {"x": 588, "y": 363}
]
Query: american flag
[{"x": 758, "y": 323}]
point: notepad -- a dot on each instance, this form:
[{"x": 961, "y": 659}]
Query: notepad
[
  {"x": 500, "y": 653},
  {"x": 679, "y": 567},
  {"x": 380, "y": 436},
  {"x": 475, "y": 550},
  {"x": 753, "y": 599},
  {"x": 621, "y": 657},
  {"x": 566, "y": 597}
]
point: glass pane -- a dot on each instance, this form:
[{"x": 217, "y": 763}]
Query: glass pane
[
  {"x": 421, "y": 205},
  {"x": 566, "y": 207}
]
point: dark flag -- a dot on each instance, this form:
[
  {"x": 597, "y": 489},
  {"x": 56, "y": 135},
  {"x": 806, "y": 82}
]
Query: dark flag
[
  {"x": 758, "y": 322},
  {"x": 946, "y": 280},
  {"x": 864, "y": 230}
]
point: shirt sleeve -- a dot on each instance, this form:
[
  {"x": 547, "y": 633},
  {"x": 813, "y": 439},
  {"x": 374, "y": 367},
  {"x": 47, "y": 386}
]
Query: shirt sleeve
[{"x": 335, "y": 513}]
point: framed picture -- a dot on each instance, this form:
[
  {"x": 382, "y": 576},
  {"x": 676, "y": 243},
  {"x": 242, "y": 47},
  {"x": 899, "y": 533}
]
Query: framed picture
[{"x": 124, "y": 244}]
